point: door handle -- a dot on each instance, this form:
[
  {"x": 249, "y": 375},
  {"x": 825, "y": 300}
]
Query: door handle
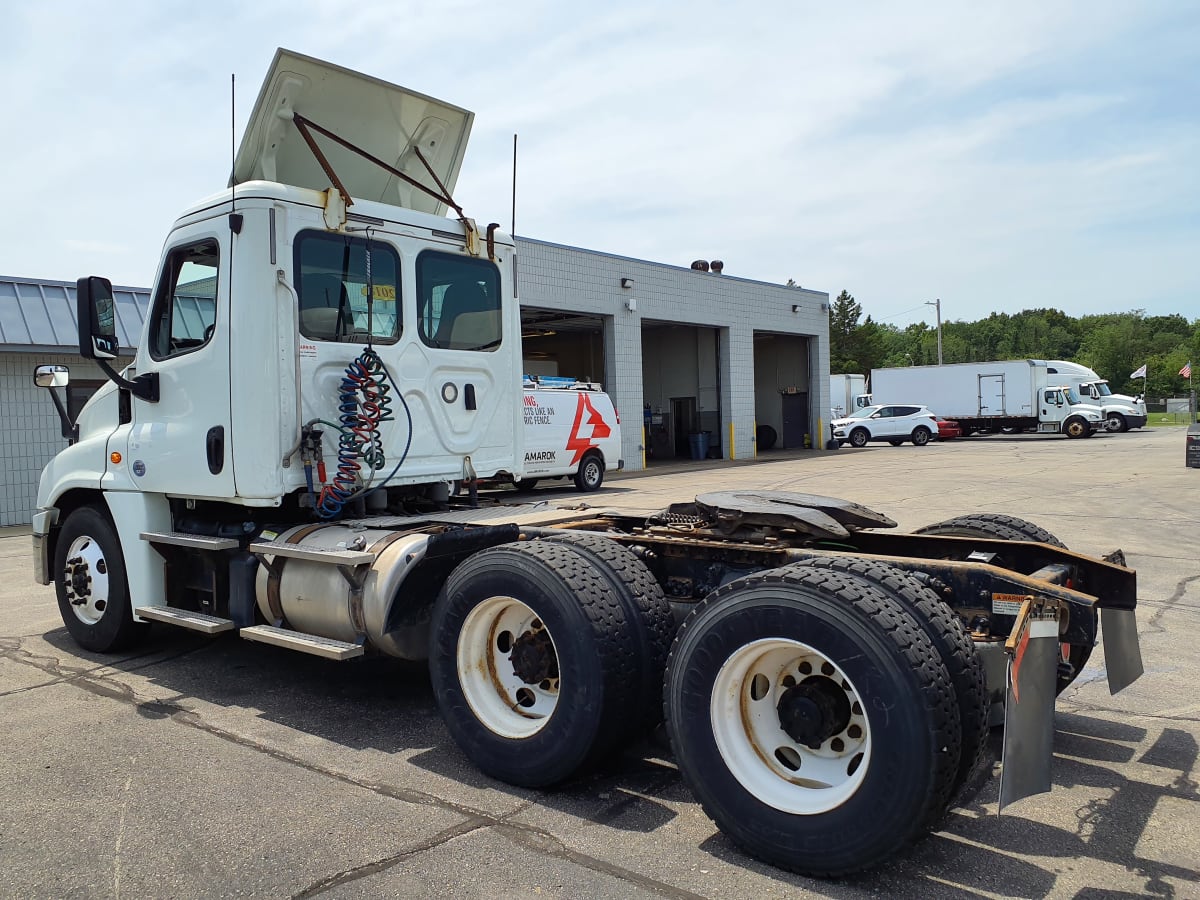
[{"x": 214, "y": 444}]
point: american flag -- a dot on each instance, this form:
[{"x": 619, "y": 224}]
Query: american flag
[{"x": 1186, "y": 371}]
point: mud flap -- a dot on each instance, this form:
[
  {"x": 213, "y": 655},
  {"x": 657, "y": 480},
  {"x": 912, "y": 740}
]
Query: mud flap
[
  {"x": 1122, "y": 653},
  {"x": 1029, "y": 707}
]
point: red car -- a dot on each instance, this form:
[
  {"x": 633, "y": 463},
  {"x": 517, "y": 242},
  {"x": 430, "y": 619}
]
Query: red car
[{"x": 947, "y": 429}]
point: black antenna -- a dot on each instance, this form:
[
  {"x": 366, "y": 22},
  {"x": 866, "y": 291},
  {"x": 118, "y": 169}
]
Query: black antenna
[
  {"x": 514, "y": 203},
  {"x": 235, "y": 220}
]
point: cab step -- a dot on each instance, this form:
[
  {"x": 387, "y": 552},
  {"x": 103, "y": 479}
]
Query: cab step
[
  {"x": 183, "y": 539},
  {"x": 305, "y": 643},
  {"x": 312, "y": 554},
  {"x": 185, "y": 618}
]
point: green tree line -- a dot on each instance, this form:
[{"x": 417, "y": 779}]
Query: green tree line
[{"x": 1113, "y": 344}]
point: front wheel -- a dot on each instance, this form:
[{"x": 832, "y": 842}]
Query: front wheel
[
  {"x": 1075, "y": 427},
  {"x": 1115, "y": 423},
  {"x": 921, "y": 435},
  {"x": 859, "y": 437},
  {"x": 812, "y": 718},
  {"x": 93, "y": 594},
  {"x": 590, "y": 474}
]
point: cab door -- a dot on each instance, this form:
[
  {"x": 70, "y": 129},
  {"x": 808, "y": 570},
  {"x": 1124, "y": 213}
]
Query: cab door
[{"x": 181, "y": 443}]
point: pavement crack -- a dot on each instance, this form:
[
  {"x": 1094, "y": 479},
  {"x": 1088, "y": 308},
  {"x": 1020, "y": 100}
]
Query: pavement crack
[
  {"x": 444, "y": 836},
  {"x": 1154, "y": 625},
  {"x": 473, "y": 819}
]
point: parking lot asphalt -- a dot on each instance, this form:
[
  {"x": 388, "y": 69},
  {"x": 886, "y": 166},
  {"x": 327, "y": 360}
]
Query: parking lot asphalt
[{"x": 214, "y": 767}]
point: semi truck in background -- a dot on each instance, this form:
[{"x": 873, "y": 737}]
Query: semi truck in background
[
  {"x": 276, "y": 464},
  {"x": 846, "y": 394},
  {"x": 1121, "y": 411},
  {"x": 1014, "y": 395}
]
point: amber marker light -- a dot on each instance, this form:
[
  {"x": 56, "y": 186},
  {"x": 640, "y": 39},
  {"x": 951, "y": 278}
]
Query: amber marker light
[{"x": 115, "y": 456}]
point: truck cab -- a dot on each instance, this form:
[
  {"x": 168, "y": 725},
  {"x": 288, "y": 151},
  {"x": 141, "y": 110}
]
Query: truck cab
[{"x": 1121, "y": 411}]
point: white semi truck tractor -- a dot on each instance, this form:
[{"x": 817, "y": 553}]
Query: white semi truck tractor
[{"x": 325, "y": 353}]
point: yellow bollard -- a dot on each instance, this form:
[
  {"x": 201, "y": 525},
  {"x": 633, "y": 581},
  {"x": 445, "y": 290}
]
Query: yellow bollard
[
  {"x": 643, "y": 446},
  {"x": 732, "y": 455}
]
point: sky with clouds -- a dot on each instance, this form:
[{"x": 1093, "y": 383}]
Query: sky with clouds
[{"x": 996, "y": 156}]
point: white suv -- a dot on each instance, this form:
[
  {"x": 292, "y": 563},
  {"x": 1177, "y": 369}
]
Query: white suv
[{"x": 894, "y": 424}]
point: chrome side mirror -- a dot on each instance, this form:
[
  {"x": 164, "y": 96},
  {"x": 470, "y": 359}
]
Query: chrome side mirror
[{"x": 51, "y": 376}]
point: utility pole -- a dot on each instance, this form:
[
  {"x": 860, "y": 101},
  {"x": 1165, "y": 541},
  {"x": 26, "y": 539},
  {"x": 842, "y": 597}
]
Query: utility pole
[{"x": 938, "y": 305}]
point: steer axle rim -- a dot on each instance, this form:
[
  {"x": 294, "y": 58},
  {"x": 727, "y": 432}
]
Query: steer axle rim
[
  {"x": 790, "y": 726},
  {"x": 86, "y": 578},
  {"x": 508, "y": 667}
]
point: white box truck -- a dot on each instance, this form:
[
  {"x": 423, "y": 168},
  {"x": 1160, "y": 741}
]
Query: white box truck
[
  {"x": 1121, "y": 412},
  {"x": 1014, "y": 395},
  {"x": 846, "y": 394},
  {"x": 274, "y": 465}
]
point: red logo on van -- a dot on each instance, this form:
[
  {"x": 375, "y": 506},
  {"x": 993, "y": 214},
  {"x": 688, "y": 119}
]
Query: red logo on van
[{"x": 599, "y": 428}]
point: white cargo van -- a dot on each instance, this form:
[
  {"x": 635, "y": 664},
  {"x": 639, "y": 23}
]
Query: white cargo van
[{"x": 571, "y": 429}]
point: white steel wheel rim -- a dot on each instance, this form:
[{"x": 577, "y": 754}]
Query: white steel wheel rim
[
  {"x": 91, "y": 562},
  {"x": 500, "y": 699},
  {"x": 780, "y": 772},
  {"x": 591, "y": 471}
]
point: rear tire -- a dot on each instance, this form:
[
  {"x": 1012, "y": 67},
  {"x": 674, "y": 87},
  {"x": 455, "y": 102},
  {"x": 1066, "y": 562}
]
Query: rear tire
[
  {"x": 946, "y": 632},
  {"x": 920, "y": 435},
  {"x": 1010, "y": 528},
  {"x": 812, "y": 718},
  {"x": 590, "y": 474},
  {"x": 93, "y": 592},
  {"x": 531, "y": 662},
  {"x": 647, "y": 611}
]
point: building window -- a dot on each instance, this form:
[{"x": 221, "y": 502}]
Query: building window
[
  {"x": 332, "y": 284},
  {"x": 458, "y": 302},
  {"x": 185, "y": 305}
]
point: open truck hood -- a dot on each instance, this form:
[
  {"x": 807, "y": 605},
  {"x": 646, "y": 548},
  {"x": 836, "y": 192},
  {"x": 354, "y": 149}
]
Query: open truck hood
[{"x": 383, "y": 119}]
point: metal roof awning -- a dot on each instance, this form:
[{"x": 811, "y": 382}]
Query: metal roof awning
[{"x": 36, "y": 313}]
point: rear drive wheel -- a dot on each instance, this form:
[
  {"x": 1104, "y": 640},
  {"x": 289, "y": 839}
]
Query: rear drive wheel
[
  {"x": 946, "y": 632},
  {"x": 812, "y": 718},
  {"x": 531, "y": 662},
  {"x": 1010, "y": 528},
  {"x": 1115, "y": 423},
  {"x": 859, "y": 437},
  {"x": 921, "y": 435},
  {"x": 89, "y": 575},
  {"x": 1075, "y": 427},
  {"x": 647, "y": 611},
  {"x": 590, "y": 474}
]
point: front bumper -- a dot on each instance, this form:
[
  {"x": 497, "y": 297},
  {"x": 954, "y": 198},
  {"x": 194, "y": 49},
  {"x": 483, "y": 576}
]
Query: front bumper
[{"x": 1136, "y": 421}]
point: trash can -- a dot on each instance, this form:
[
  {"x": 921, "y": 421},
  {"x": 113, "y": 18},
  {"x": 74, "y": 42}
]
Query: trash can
[
  {"x": 698, "y": 443},
  {"x": 1192, "y": 457}
]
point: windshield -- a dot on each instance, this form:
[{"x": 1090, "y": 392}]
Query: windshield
[
  {"x": 1072, "y": 397},
  {"x": 1102, "y": 387},
  {"x": 865, "y": 413}
]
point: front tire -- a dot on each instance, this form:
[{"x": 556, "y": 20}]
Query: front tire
[
  {"x": 859, "y": 437},
  {"x": 812, "y": 718},
  {"x": 93, "y": 593},
  {"x": 531, "y": 662},
  {"x": 1075, "y": 427},
  {"x": 590, "y": 474},
  {"x": 1115, "y": 423}
]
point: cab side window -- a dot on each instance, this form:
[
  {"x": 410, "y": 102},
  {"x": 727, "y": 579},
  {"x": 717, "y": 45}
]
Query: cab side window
[
  {"x": 184, "y": 314},
  {"x": 333, "y": 275},
  {"x": 458, "y": 302}
]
